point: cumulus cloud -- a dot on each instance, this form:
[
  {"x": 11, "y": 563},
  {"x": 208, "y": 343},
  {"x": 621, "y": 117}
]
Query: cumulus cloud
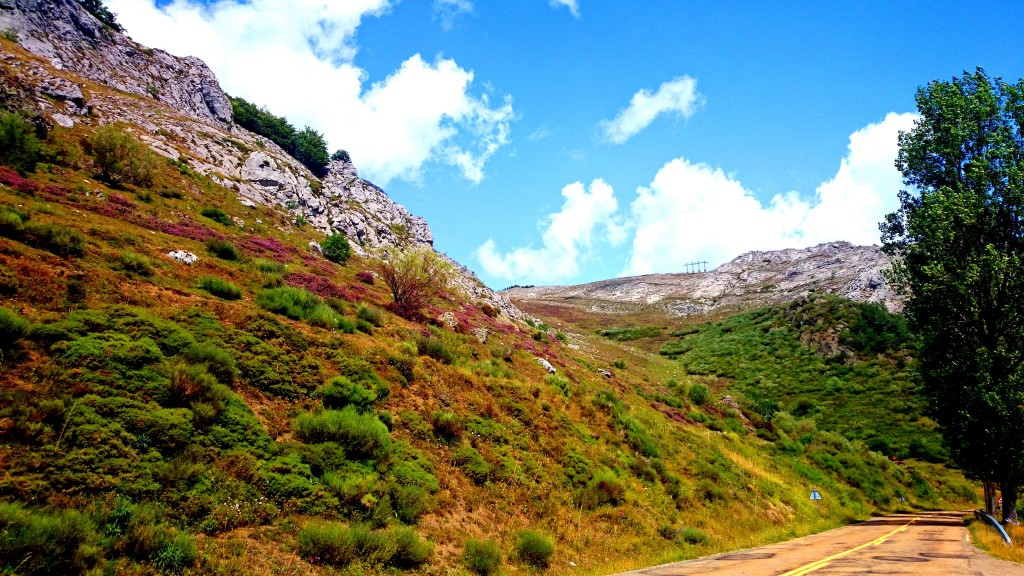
[
  {"x": 450, "y": 10},
  {"x": 297, "y": 58},
  {"x": 693, "y": 211},
  {"x": 568, "y": 236},
  {"x": 572, "y": 5},
  {"x": 677, "y": 96}
]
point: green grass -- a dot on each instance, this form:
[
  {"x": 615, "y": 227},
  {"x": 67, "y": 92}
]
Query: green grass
[{"x": 220, "y": 288}]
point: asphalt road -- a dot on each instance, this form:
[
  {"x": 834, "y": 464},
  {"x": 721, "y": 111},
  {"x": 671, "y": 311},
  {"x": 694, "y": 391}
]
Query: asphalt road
[{"x": 923, "y": 544}]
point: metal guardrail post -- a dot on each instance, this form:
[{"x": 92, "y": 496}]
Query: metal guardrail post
[{"x": 981, "y": 515}]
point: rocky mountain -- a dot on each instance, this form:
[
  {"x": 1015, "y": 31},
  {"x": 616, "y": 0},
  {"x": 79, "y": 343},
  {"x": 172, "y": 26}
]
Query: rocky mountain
[
  {"x": 176, "y": 106},
  {"x": 752, "y": 279}
]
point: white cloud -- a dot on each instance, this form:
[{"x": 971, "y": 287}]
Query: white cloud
[
  {"x": 568, "y": 236},
  {"x": 678, "y": 96},
  {"x": 692, "y": 211},
  {"x": 449, "y": 11},
  {"x": 572, "y": 5},
  {"x": 296, "y": 58}
]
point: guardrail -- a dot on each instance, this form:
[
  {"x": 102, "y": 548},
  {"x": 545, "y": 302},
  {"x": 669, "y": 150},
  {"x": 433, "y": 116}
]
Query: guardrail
[{"x": 981, "y": 515}]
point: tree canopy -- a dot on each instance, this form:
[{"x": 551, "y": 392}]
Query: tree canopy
[
  {"x": 958, "y": 247},
  {"x": 307, "y": 145}
]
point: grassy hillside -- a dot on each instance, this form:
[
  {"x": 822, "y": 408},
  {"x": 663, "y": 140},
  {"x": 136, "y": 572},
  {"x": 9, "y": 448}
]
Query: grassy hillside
[
  {"x": 841, "y": 364},
  {"x": 262, "y": 412}
]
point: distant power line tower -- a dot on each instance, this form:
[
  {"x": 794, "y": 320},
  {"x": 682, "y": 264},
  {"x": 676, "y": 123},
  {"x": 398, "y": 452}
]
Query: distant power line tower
[{"x": 695, "y": 267}]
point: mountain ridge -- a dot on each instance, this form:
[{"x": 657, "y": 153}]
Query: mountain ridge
[{"x": 752, "y": 279}]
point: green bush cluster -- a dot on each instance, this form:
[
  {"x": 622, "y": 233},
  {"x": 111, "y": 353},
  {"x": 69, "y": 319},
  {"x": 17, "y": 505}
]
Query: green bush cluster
[
  {"x": 482, "y": 557},
  {"x": 340, "y": 392},
  {"x": 19, "y": 143},
  {"x": 534, "y": 549},
  {"x": 301, "y": 304},
  {"x": 222, "y": 249},
  {"x": 217, "y": 215},
  {"x": 336, "y": 248},
  {"x": 340, "y": 545},
  {"x": 121, "y": 159},
  {"x": 434, "y": 348},
  {"x": 135, "y": 263},
  {"x": 220, "y": 288},
  {"x": 362, "y": 435},
  {"x": 307, "y": 146},
  {"x": 60, "y": 240}
]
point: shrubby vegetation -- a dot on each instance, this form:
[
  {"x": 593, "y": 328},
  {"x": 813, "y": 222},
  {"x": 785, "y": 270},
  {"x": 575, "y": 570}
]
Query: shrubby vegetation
[
  {"x": 19, "y": 144},
  {"x": 307, "y": 146},
  {"x": 336, "y": 248},
  {"x": 120, "y": 158}
]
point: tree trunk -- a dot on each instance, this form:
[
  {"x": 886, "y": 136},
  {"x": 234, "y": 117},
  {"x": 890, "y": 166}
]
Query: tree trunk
[
  {"x": 1009, "y": 493},
  {"x": 990, "y": 497}
]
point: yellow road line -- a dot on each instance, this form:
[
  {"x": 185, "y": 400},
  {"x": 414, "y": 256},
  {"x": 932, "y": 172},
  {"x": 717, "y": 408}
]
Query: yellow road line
[{"x": 819, "y": 564}]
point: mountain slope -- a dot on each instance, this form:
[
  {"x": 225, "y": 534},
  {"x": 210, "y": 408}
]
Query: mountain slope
[{"x": 260, "y": 410}]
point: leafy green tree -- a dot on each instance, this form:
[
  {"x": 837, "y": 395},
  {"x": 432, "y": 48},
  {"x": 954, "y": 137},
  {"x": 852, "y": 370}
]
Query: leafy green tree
[
  {"x": 307, "y": 146},
  {"x": 19, "y": 146},
  {"x": 958, "y": 247},
  {"x": 336, "y": 248},
  {"x": 102, "y": 13}
]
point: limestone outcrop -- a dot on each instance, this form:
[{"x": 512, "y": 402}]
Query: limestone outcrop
[
  {"x": 752, "y": 279},
  {"x": 176, "y": 106}
]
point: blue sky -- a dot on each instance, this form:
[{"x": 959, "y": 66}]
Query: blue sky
[{"x": 557, "y": 142}]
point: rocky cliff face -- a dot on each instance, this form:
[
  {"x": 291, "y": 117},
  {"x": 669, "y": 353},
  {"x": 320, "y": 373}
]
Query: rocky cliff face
[
  {"x": 752, "y": 279},
  {"x": 86, "y": 73}
]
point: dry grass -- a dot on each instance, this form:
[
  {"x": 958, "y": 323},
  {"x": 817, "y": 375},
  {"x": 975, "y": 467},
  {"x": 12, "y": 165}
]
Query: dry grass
[{"x": 989, "y": 540}]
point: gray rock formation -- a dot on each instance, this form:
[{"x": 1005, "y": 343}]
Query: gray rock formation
[
  {"x": 752, "y": 279},
  {"x": 72, "y": 39},
  {"x": 185, "y": 116}
]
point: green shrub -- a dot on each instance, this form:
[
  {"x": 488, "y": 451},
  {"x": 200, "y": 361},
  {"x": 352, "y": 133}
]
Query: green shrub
[
  {"x": 176, "y": 555},
  {"x": 534, "y": 549},
  {"x": 695, "y": 536},
  {"x": 620, "y": 364},
  {"x": 410, "y": 550},
  {"x": 269, "y": 266},
  {"x": 604, "y": 488},
  {"x": 482, "y": 557},
  {"x": 698, "y": 394},
  {"x": 19, "y": 145},
  {"x": 137, "y": 263},
  {"x": 53, "y": 238},
  {"x": 220, "y": 288},
  {"x": 370, "y": 314},
  {"x": 434, "y": 348},
  {"x": 362, "y": 435},
  {"x": 222, "y": 249},
  {"x": 560, "y": 383},
  {"x": 120, "y": 158},
  {"x": 336, "y": 248},
  {"x": 12, "y": 328},
  {"x": 340, "y": 392},
  {"x": 218, "y": 362},
  {"x": 339, "y": 545},
  {"x": 299, "y": 304},
  {"x": 472, "y": 464},
  {"x": 217, "y": 215},
  {"x": 447, "y": 425},
  {"x": 38, "y": 542}
]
